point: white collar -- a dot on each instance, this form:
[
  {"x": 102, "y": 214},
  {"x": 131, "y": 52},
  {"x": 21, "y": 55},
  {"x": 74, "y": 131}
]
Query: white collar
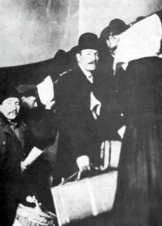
[{"x": 88, "y": 74}]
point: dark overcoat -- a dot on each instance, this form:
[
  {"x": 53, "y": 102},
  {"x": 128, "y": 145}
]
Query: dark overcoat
[
  {"x": 11, "y": 154},
  {"x": 42, "y": 126},
  {"x": 78, "y": 131},
  {"x": 139, "y": 187}
]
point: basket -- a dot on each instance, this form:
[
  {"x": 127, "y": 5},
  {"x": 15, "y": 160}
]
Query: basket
[{"x": 28, "y": 216}]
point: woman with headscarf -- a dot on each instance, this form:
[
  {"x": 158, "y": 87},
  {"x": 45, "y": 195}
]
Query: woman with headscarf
[{"x": 139, "y": 70}]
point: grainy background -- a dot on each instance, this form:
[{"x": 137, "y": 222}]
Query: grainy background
[{"x": 33, "y": 30}]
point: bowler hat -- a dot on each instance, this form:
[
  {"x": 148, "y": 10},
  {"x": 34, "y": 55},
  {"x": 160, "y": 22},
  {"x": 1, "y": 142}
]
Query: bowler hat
[
  {"x": 88, "y": 41},
  {"x": 115, "y": 27}
]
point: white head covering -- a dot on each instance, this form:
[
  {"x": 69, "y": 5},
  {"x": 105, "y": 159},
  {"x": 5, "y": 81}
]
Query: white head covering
[{"x": 141, "y": 40}]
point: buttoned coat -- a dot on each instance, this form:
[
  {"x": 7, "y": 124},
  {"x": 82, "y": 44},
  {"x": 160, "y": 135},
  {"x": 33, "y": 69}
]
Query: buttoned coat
[
  {"x": 78, "y": 129},
  {"x": 11, "y": 155}
]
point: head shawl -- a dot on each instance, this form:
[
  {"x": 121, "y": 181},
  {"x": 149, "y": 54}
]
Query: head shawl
[{"x": 141, "y": 40}]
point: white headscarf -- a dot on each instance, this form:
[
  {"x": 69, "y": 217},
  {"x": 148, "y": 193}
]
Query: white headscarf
[{"x": 141, "y": 40}]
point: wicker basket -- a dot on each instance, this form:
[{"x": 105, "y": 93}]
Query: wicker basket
[{"x": 28, "y": 216}]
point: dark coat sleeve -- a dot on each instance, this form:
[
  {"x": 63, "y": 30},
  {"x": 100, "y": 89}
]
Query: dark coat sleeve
[{"x": 42, "y": 125}]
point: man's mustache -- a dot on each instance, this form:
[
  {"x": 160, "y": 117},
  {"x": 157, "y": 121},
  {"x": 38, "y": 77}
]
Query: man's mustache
[
  {"x": 13, "y": 112},
  {"x": 92, "y": 62}
]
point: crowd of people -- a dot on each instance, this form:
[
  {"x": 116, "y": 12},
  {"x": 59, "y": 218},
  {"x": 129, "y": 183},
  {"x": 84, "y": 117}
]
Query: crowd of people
[{"x": 115, "y": 82}]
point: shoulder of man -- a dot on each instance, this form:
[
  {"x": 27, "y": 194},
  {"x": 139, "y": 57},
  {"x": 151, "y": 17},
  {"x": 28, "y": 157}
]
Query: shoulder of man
[
  {"x": 62, "y": 76},
  {"x": 69, "y": 72},
  {"x": 67, "y": 77},
  {"x": 65, "y": 73}
]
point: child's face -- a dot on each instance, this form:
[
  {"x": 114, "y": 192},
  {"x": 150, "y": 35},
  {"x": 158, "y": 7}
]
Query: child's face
[{"x": 10, "y": 107}]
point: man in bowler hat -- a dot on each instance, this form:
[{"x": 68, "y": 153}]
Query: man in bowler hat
[{"x": 77, "y": 127}]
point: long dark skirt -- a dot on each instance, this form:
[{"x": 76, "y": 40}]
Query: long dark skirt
[{"x": 139, "y": 189}]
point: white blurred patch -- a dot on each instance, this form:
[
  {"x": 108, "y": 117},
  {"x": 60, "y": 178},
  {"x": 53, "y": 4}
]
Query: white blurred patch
[
  {"x": 110, "y": 154},
  {"x": 46, "y": 90}
]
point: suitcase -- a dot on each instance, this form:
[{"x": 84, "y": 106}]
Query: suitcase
[{"x": 87, "y": 197}]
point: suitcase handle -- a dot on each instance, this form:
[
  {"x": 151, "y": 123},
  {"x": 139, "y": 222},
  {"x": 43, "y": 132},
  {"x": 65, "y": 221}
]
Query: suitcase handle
[
  {"x": 78, "y": 175},
  {"x": 64, "y": 181}
]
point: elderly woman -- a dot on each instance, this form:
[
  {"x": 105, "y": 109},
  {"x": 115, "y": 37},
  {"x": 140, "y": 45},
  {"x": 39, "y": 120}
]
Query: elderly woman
[{"x": 139, "y": 187}]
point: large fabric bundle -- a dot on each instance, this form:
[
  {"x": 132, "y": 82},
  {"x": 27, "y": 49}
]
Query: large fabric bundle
[{"x": 87, "y": 197}]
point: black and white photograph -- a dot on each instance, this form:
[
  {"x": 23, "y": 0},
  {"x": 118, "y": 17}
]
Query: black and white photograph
[{"x": 80, "y": 112}]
